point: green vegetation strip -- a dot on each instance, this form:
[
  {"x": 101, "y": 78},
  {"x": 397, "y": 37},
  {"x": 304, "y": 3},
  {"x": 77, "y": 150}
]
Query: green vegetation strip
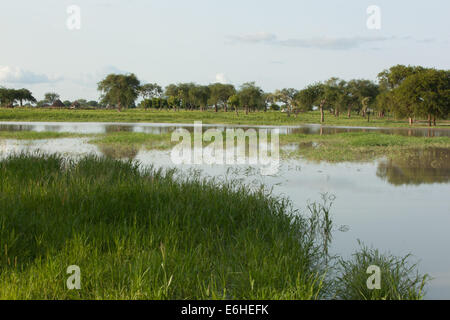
[
  {"x": 32, "y": 135},
  {"x": 355, "y": 146},
  {"x": 145, "y": 234},
  {"x": 207, "y": 117},
  {"x": 359, "y": 146}
]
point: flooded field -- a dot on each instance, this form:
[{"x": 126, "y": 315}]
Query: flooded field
[{"x": 396, "y": 205}]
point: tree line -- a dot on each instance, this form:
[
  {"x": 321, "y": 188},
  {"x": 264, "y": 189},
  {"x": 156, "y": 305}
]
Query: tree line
[
  {"x": 411, "y": 92},
  {"x": 9, "y": 97}
]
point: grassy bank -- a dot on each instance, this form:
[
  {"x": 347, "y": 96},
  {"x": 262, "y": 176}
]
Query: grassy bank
[
  {"x": 207, "y": 117},
  {"x": 32, "y": 135},
  {"x": 357, "y": 146},
  {"x": 144, "y": 234}
]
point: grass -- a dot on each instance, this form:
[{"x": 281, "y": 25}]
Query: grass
[
  {"x": 207, "y": 117},
  {"x": 133, "y": 241},
  {"x": 141, "y": 233},
  {"x": 32, "y": 135},
  {"x": 134, "y": 139},
  {"x": 357, "y": 146},
  {"x": 394, "y": 271}
]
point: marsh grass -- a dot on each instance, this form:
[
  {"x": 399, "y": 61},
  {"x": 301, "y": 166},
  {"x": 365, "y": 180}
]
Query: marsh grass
[
  {"x": 400, "y": 279},
  {"x": 143, "y": 233},
  {"x": 135, "y": 140},
  {"x": 357, "y": 146}
]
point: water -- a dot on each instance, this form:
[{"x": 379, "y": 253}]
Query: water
[
  {"x": 400, "y": 206},
  {"x": 161, "y": 128}
]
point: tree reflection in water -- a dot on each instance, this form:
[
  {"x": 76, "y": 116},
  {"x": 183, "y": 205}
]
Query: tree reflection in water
[
  {"x": 119, "y": 152},
  {"x": 427, "y": 166}
]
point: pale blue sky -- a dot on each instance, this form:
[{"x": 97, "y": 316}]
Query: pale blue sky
[{"x": 284, "y": 43}]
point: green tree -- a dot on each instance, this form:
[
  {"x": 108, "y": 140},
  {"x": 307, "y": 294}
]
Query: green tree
[
  {"x": 363, "y": 94},
  {"x": 392, "y": 78},
  {"x": 234, "y": 102},
  {"x": 7, "y": 97},
  {"x": 219, "y": 95},
  {"x": 150, "y": 91},
  {"x": 389, "y": 81},
  {"x": 200, "y": 96},
  {"x": 92, "y": 103},
  {"x": 119, "y": 90},
  {"x": 313, "y": 95},
  {"x": 287, "y": 97},
  {"x": 425, "y": 94},
  {"x": 24, "y": 95},
  {"x": 251, "y": 97},
  {"x": 51, "y": 97}
]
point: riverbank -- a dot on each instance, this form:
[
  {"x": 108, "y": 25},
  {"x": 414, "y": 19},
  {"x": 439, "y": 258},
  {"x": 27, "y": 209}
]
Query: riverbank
[
  {"x": 207, "y": 117},
  {"x": 145, "y": 234}
]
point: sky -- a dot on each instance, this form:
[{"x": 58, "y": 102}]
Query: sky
[{"x": 277, "y": 44}]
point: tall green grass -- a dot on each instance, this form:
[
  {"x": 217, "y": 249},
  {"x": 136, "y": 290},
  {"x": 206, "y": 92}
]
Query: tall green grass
[
  {"x": 399, "y": 279},
  {"x": 146, "y": 235},
  {"x": 141, "y": 233}
]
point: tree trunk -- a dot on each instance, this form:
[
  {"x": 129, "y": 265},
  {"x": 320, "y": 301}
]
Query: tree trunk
[
  {"x": 225, "y": 106},
  {"x": 434, "y": 120},
  {"x": 215, "y": 106},
  {"x": 246, "y": 110},
  {"x": 322, "y": 115},
  {"x": 349, "y": 112},
  {"x": 411, "y": 121},
  {"x": 429, "y": 120}
]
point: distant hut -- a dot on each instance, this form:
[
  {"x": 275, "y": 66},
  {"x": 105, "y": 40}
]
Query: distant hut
[
  {"x": 75, "y": 105},
  {"x": 58, "y": 104}
]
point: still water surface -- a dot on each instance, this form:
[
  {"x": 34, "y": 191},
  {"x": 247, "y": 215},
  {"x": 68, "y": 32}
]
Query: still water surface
[{"x": 400, "y": 206}]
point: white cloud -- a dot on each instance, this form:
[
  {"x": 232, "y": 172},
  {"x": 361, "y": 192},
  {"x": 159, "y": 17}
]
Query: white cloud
[
  {"x": 255, "y": 37},
  {"x": 221, "y": 78},
  {"x": 327, "y": 43},
  {"x": 20, "y": 76}
]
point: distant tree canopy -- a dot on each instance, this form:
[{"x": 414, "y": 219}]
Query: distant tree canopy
[
  {"x": 251, "y": 97},
  {"x": 119, "y": 90},
  {"x": 51, "y": 97},
  {"x": 150, "y": 90},
  {"x": 9, "y": 96},
  {"x": 415, "y": 92}
]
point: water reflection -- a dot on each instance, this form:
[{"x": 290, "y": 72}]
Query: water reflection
[
  {"x": 161, "y": 128},
  {"x": 119, "y": 152},
  {"x": 111, "y": 128},
  {"x": 417, "y": 167}
]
